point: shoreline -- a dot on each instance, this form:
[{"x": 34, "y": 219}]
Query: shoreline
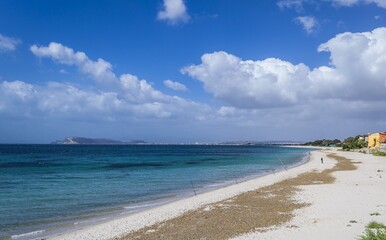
[
  {"x": 336, "y": 209},
  {"x": 123, "y": 210},
  {"x": 120, "y": 225}
]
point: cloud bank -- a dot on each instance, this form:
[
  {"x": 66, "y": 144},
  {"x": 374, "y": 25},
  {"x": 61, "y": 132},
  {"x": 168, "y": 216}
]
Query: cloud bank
[
  {"x": 248, "y": 95},
  {"x": 121, "y": 98}
]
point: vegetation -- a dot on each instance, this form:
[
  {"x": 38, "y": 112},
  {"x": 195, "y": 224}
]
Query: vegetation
[
  {"x": 324, "y": 143},
  {"x": 348, "y": 144},
  {"x": 356, "y": 142},
  {"x": 376, "y": 225},
  {"x": 379, "y": 153},
  {"x": 374, "y": 231}
]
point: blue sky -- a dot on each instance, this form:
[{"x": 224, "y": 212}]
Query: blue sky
[{"x": 187, "y": 71}]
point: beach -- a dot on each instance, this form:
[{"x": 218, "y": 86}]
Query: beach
[{"x": 333, "y": 200}]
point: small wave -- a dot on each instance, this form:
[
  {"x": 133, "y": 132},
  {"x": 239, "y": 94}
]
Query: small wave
[
  {"x": 27, "y": 234},
  {"x": 88, "y": 221},
  {"x": 145, "y": 205},
  {"x": 216, "y": 184}
]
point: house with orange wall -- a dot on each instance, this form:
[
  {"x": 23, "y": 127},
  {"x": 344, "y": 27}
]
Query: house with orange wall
[{"x": 376, "y": 139}]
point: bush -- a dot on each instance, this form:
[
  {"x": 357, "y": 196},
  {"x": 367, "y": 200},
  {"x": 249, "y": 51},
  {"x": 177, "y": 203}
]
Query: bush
[
  {"x": 374, "y": 231},
  {"x": 353, "y": 143},
  {"x": 375, "y": 224}
]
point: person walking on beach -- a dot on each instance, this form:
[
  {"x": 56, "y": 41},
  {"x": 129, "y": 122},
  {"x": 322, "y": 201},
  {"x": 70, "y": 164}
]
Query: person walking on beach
[{"x": 321, "y": 160}]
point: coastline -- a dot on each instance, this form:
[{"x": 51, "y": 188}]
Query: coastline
[
  {"x": 120, "y": 225},
  {"x": 337, "y": 210},
  {"x": 229, "y": 165}
]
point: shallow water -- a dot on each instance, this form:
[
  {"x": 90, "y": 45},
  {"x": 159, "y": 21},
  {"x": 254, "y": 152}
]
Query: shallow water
[{"x": 43, "y": 187}]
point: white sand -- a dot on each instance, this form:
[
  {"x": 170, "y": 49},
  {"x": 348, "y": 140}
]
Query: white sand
[
  {"x": 333, "y": 205},
  {"x": 353, "y": 197}
]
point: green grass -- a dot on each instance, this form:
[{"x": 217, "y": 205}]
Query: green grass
[
  {"x": 379, "y": 153},
  {"x": 376, "y": 225},
  {"x": 374, "y": 231}
]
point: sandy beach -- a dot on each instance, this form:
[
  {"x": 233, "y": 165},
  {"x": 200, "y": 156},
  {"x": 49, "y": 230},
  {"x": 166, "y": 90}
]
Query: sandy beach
[{"x": 332, "y": 200}]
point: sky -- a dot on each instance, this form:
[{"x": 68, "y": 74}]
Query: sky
[{"x": 176, "y": 71}]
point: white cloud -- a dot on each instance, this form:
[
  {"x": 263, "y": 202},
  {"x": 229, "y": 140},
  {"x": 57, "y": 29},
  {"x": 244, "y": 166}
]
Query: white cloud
[
  {"x": 175, "y": 85},
  {"x": 174, "y": 12},
  {"x": 250, "y": 84},
  {"x": 8, "y": 44},
  {"x": 296, "y": 4},
  {"x": 129, "y": 98},
  {"x": 128, "y": 86},
  {"x": 309, "y": 23},
  {"x": 136, "y": 90},
  {"x": 65, "y": 101},
  {"x": 99, "y": 70},
  {"x": 357, "y": 72},
  {"x": 359, "y": 59},
  {"x": 348, "y": 3},
  {"x": 251, "y": 95}
]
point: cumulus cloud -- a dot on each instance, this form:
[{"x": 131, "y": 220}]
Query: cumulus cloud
[
  {"x": 99, "y": 70},
  {"x": 130, "y": 87},
  {"x": 174, "y": 12},
  {"x": 359, "y": 59},
  {"x": 137, "y": 90},
  {"x": 129, "y": 98},
  {"x": 250, "y": 84},
  {"x": 356, "y": 72},
  {"x": 260, "y": 94},
  {"x": 309, "y": 23},
  {"x": 175, "y": 85},
  {"x": 7, "y": 43}
]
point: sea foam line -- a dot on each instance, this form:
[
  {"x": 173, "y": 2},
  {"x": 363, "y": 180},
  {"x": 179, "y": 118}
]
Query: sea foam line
[
  {"x": 93, "y": 220},
  {"x": 27, "y": 234},
  {"x": 145, "y": 205}
]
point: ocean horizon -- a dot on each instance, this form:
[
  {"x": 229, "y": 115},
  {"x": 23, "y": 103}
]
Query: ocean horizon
[{"x": 49, "y": 188}]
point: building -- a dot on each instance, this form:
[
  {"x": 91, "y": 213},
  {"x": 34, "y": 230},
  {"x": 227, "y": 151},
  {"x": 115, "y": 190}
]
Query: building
[{"x": 376, "y": 140}]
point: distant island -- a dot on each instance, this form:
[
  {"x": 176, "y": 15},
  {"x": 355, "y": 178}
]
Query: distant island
[
  {"x": 95, "y": 141},
  {"x": 104, "y": 141}
]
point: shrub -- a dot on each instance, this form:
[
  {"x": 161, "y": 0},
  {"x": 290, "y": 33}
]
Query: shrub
[
  {"x": 374, "y": 231},
  {"x": 376, "y": 225}
]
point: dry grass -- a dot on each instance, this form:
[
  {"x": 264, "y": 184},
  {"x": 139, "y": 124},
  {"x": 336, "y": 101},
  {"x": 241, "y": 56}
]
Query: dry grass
[{"x": 251, "y": 211}]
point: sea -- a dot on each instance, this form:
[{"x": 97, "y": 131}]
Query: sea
[{"x": 46, "y": 189}]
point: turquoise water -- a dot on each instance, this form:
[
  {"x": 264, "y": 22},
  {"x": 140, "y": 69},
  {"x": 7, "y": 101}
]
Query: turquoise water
[{"x": 45, "y": 187}]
